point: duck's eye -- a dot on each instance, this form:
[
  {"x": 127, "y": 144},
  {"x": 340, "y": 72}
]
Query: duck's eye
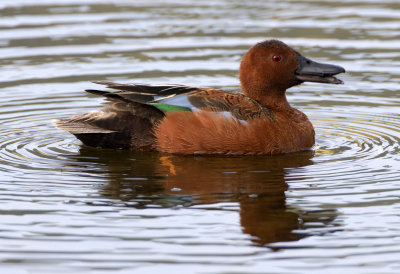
[{"x": 276, "y": 58}]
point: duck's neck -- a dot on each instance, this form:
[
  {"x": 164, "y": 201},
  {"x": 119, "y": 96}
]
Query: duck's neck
[{"x": 273, "y": 99}]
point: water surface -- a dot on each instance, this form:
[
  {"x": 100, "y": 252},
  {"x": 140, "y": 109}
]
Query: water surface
[{"x": 66, "y": 207}]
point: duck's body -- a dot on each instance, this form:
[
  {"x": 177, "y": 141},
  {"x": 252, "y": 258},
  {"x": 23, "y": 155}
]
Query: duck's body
[
  {"x": 191, "y": 120},
  {"x": 212, "y": 133}
]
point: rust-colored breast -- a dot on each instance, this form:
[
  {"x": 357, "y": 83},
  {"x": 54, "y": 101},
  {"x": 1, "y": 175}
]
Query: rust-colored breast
[{"x": 213, "y": 133}]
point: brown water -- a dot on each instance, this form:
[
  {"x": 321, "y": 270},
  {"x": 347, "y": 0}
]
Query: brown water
[{"x": 68, "y": 208}]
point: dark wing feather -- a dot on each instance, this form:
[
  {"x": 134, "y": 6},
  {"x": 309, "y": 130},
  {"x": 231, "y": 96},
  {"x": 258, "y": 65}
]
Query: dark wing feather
[
  {"x": 118, "y": 102},
  {"x": 147, "y": 93}
]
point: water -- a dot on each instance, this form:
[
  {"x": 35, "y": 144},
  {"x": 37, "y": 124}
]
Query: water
[{"x": 69, "y": 208}]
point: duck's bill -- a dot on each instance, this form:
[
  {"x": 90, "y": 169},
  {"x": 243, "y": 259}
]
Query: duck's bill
[
  {"x": 319, "y": 79},
  {"x": 310, "y": 71}
]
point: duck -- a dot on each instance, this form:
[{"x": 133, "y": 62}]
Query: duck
[{"x": 186, "y": 120}]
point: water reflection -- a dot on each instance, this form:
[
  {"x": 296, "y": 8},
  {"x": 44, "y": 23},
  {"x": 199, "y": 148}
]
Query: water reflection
[{"x": 256, "y": 184}]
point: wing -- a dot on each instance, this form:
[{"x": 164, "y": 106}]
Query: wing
[
  {"x": 185, "y": 98},
  {"x": 239, "y": 105},
  {"x": 147, "y": 93},
  {"x": 119, "y": 102}
]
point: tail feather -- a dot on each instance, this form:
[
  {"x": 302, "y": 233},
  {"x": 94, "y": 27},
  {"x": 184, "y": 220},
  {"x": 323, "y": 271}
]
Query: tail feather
[
  {"x": 79, "y": 127},
  {"x": 121, "y": 132},
  {"x": 122, "y": 123}
]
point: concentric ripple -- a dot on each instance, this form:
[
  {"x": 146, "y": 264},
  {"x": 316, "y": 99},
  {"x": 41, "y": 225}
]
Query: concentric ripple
[
  {"x": 356, "y": 136},
  {"x": 352, "y": 150}
]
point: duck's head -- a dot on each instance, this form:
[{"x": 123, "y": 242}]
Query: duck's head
[{"x": 270, "y": 67}]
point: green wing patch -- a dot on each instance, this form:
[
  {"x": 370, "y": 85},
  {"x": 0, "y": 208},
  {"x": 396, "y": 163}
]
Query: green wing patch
[{"x": 170, "y": 108}]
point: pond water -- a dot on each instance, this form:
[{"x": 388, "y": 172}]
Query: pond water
[{"x": 70, "y": 208}]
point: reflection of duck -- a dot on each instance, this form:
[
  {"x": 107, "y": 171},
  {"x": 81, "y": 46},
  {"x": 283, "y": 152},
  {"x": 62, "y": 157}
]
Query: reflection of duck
[
  {"x": 257, "y": 184},
  {"x": 260, "y": 121}
]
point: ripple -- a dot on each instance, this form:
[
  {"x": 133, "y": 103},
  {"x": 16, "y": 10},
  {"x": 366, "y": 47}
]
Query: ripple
[
  {"x": 353, "y": 150},
  {"x": 354, "y": 137},
  {"x": 32, "y": 150},
  {"x": 357, "y": 136}
]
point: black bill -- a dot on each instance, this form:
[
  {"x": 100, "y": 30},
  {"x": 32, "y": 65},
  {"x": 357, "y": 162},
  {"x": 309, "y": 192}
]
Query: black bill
[{"x": 310, "y": 71}]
